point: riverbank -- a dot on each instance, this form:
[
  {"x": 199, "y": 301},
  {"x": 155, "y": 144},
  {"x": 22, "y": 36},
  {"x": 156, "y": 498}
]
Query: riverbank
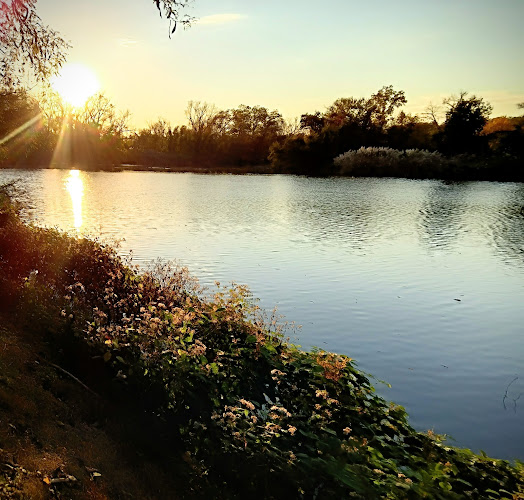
[
  {"x": 231, "y": 400},
  {"x": 60, "y": 439},
  {"x": 454, "y": 169}
]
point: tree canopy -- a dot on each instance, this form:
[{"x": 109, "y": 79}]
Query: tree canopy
[
  {"x": 465, "y": 119},
  {"x": 27, "y": 44}
]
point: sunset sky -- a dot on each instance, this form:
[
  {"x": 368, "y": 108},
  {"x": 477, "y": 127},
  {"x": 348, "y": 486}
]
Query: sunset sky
[{"x": 295, "y": 56}]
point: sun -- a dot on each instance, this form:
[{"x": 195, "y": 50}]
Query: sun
[{"x": 76, "y": 83}]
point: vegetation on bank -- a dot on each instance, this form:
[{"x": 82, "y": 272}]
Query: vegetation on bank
[
  {"x": 423, "y": 164},
  {"x": 235, "y": 409},
  {"x": 46, "y": 132}
]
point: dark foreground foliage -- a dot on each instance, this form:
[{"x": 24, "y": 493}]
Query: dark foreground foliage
[{"x": 247, "y": 413}]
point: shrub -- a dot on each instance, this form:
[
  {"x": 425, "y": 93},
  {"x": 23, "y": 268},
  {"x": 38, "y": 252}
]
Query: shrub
[{"x": 381, "y": 162}]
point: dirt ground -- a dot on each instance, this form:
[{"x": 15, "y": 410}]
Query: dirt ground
[{"x": 60, "y": 440}]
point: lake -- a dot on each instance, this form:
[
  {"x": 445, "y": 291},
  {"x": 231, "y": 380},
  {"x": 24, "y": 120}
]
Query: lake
[{"x": 421, "y": 282}]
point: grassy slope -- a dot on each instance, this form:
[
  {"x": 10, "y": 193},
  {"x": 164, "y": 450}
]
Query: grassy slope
[{"x": 51, "y": 427}]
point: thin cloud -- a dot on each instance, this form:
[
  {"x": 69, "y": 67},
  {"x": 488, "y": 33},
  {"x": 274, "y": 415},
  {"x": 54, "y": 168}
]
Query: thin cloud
[
  {"x": 127, "y": 42},
  {"x": 221, "y": 18}
]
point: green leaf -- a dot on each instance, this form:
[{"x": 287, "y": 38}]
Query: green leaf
[
  {"x": 446, "y": 486},
  {"x": 107, "y": 356},
  {"x": 270, "y": 348}
]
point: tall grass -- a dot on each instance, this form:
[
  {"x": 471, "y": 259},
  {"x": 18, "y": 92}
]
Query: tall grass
[{"x": 388, "y": 162}]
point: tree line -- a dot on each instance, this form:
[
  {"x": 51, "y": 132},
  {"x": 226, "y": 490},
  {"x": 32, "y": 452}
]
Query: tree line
[
  {"x": 45, "y": 131},
  {"x": 38, "y": 132}
]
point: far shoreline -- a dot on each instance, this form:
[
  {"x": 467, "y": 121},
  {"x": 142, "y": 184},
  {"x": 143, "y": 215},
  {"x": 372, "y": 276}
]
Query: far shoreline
[{"x": 479, "y": 173}]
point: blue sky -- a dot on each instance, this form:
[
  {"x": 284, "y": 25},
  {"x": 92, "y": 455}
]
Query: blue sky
[{"x": 296, "y": 56}]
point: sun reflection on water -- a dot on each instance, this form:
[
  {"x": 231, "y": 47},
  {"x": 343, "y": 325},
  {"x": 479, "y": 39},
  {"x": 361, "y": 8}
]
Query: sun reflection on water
[{"x": 75, "y": 187}]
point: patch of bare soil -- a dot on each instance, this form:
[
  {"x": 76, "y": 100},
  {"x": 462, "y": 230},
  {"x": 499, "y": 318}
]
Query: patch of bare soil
[{"x": 60, "y": 440}]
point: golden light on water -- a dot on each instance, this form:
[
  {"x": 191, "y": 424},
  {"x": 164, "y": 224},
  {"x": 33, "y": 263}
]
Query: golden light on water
[
  {"x": 76, "y": 83},
  {"x": 75, "y": 187}
]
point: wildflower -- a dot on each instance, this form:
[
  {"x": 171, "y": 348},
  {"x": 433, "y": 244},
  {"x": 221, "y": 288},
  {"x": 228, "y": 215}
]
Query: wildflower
[
  {"x": 197, "y": 349},
  {"x": 292, "y": 430},
  {"x": 378, "y": 471},
  {"x": 321, "y": 394},
  {"x": 63, "y": 313},
  {"x": 247, "y": 404},
  {"x": 346, "y": 430}
]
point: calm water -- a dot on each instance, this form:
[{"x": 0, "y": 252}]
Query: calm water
[{"x": 421, "y": 282}]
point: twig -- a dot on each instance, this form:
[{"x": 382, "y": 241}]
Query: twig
[
  {"x": 70, "y": 375},
  {"x": 506, "y": 394},
  {"x": 515, "y": 402}
]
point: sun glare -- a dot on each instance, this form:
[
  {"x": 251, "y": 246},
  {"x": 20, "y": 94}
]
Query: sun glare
[
  {"x": 75, "y": 186},
  {"x": 76, "y": 83}
]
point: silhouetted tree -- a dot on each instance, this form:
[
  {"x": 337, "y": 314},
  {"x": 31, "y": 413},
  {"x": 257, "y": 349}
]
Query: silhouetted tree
[
  {"x": 201, "y": 117},
  {"x": 314, "y": 123},
  {"x": 349, "y": 123},
  {"x": 383, "y": 104},
  {"x": 401, "y": 134},
  {"x": 244, "y": 134},
  {"x": 156, "y": 136},
  {"x": 17, "y": 107},
  {"x": 377, "y": 111},
  {"x": 24, "y": 140},
  {"x": 465, "y": 119},
  {"x": 433, "y": 114}
]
